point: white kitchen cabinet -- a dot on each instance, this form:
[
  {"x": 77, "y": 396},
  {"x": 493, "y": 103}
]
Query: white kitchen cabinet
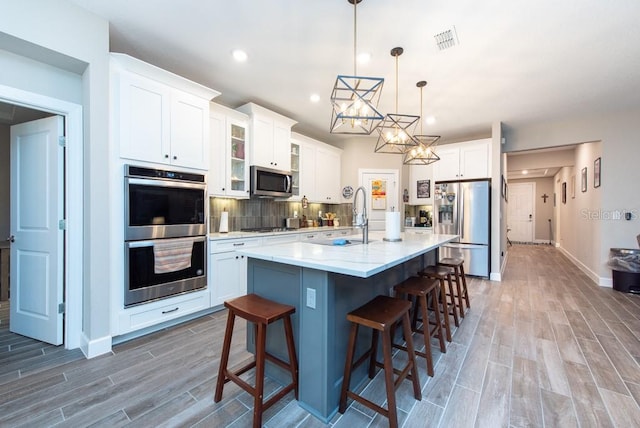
[
  {"x": 463, "y": 161},
  {"x": 418, "y": 175},
  {"x": 160, "y": 311},
  {"x": 229, "y": 169},
  {"x": 228, "y": 269},
  {"x": 160, "y": 117},
  {"x": 320, "y": 166},
  {"x": 270, "y": 144}
]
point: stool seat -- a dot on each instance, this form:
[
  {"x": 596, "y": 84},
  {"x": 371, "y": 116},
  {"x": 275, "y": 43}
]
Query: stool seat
[
  {"x": 261, "y": 312},
  {"x": 451, "y": 261},
  {"x": 257, "y": 309},
  {"x": 436, "y": 272},
  {"x": 380, "y": 314}
]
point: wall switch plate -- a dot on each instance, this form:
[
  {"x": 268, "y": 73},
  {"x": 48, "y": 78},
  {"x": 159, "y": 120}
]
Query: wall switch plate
[{"x": 311, "y": 298}]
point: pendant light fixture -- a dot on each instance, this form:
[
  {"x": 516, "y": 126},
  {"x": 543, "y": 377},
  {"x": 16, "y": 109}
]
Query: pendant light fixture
[
  {"x": 395, "y": 133},
  {"x": 424, "y": 153},
  {"x": 355, "y": 98}
]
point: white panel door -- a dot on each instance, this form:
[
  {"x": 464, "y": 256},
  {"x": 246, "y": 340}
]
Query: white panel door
[
  {"x": 382, "y": 195},
  {"x": 189, "y": 131},
  {"x": 520, "y": 212},
  {"x": 37, "y": 201}
]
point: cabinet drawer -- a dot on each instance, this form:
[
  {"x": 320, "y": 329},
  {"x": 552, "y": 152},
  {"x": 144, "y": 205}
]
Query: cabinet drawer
[
  {"x": 281, "y": 239},
  {"x": 156, "y": 313},
  {"x": 221, "y": 246}
]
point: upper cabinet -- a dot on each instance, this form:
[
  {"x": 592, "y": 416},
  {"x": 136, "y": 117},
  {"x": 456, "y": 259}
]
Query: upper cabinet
[
  {"x": 463, "y": 161},
  {"x": 319, "y": 170},
  {"x": 270, "y": 144},
  {"x": 229, "y": 169},
  {"x": 159, "y": 117}
]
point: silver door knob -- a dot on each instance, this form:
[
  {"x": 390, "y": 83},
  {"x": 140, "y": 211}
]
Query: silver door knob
[{"x": 11, "y": 238}]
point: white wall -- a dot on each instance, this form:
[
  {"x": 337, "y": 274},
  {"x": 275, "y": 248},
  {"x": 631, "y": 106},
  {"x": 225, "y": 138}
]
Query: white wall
[
  {"x": 620, "y": 151},
  {"x": 60, "y": 34}
]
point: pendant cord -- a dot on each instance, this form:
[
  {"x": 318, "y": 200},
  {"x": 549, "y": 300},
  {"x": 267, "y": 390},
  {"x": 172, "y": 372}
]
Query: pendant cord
[
  {"x": 397, "y": 84},
  {"x": 355, "y": 37},
  {"x": 421, "y": 88}
]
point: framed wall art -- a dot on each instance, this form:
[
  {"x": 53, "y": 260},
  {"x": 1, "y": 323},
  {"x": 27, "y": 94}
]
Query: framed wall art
[
  {"x": 583, "y": 181},
  {"x": 564, "y": 192},
  {"x": 424, "y": 188},
  {"x": 596, "y": 173}
]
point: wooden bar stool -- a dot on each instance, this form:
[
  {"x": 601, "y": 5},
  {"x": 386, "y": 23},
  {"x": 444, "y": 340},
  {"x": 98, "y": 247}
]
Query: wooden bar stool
[
  {"x": 442, "y": 273},
  {"x": 380, "y": 314},
  {"x": 261, "y": 312},
  {"x": 456, "y": 264},
  {"x": 421, "y": 288}
]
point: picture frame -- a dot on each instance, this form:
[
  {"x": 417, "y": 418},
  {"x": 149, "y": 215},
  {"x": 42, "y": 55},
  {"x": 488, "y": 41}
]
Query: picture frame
[
  {"x": 423, "y": 189},
  {"x": 596, "y": 173},
  {"x": 583, "y": 181},
  {"x": 564, "y": 192},
  {"x": 573, "y": 186},
  {"x": 504, "y": 188},
  {"x": 506, "y": 192}
]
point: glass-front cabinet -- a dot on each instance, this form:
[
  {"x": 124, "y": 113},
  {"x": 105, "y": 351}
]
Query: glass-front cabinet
[
  {"x": 229, "y": 168},
  {"x": 238, "y": 160},
  {"x": 295, "y": 170}
]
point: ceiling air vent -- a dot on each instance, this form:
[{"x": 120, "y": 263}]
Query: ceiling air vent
[{"x": 446, "y": 39}]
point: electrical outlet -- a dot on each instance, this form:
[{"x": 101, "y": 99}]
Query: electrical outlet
[{"x": 311, "y": 298}]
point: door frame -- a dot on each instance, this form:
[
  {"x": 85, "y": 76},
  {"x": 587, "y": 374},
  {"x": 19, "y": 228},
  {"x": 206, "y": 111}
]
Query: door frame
[{"x": 73, "y": 259}]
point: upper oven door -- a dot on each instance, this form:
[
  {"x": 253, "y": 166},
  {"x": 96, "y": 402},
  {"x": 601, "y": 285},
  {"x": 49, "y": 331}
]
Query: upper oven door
[{"x": 163, "y": 209}]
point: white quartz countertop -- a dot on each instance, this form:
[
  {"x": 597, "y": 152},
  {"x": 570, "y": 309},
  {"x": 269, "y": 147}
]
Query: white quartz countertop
[{"x": 355, "y": 259}]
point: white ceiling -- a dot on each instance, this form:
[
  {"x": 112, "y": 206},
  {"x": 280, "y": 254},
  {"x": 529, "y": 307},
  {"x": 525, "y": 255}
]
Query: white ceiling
[{"x": 517, "y": 61}]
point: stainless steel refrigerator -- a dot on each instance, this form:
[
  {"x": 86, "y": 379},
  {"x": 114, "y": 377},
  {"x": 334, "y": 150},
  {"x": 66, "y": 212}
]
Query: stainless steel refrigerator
[{"x": 463, "y": 208}]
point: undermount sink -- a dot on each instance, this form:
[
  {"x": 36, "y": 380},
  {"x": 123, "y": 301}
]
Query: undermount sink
[{"x": 332, "y": 242}]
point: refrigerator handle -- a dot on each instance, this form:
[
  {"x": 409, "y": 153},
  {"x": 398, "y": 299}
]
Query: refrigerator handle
[{"x": 461, "y": 211}]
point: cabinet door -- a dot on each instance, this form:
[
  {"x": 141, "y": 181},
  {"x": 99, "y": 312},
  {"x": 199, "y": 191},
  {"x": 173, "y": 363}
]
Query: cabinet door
[
  {"x": 189, "y": 131},
  {"x": 228, "y": 277},
  {"x": 237, "y": 167},
  {"x": 282, "y": 146},
  {"x": 328, "y": 182},
  {"x": 218, "y": 158},
  {"x": 474, "y": 160},
  {"x": 144, "y": 119},
  {"x": 420, "y": 174},
  {"x": 262, "y": 142},
  {"x": 295, "y": 172},
  {"x": 308, "y": 171},
  {"x": 448, "y": 167}
]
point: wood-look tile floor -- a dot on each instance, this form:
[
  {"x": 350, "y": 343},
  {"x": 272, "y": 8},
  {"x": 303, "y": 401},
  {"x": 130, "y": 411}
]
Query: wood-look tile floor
[{"x": 545, "y": 347}]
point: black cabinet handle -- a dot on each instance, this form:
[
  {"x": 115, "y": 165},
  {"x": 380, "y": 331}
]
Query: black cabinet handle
[{"x": 170, "y": 310}]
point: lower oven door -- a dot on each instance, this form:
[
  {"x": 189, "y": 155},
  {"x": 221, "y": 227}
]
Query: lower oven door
[{"x": 163, "y": 267}]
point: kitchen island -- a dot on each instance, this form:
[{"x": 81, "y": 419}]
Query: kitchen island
[{"x": 324, "y": 282}]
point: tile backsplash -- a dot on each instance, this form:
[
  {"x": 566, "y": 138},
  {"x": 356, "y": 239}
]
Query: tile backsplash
[{"x": 264, "y": 212}]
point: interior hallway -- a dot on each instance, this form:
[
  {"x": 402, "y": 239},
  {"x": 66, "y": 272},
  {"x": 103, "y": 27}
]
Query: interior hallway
[{"x": 545, "y": 347}]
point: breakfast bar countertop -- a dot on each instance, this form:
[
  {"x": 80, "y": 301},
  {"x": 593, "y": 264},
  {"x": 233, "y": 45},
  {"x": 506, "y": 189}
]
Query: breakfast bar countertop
[{"x": 355, "y": 259}]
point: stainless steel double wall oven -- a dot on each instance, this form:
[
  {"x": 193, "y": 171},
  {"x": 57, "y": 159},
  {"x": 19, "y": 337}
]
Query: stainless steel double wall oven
[{"x": 165, "y": 233}]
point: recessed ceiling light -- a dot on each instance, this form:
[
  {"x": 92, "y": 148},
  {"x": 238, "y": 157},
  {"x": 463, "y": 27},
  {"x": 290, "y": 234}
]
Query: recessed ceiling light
[
  {"x": 525, "y": 172},
  {"x": 239, "y": 55},
  {"x": 364, "y": 58},
  {"x": 314, "y": 98},
  {"x": 430, "y": 120}
]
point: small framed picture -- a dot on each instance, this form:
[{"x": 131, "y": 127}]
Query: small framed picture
[
  {"x": 506, "y": 192},
  {"x": 564, "y": 192},
  {"x": 424, "y": 188},
  {"x": 596, "y": 173},
  {"x": 583, "y": 181},
  {"x": 504, "y": 187},
  {"x": 573, "y": 187}
]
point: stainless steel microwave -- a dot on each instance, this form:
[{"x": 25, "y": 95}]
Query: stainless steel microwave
[{"x": 267, "y": 182}]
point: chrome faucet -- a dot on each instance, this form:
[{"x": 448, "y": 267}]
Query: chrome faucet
[{"x": 360, "y": 219}]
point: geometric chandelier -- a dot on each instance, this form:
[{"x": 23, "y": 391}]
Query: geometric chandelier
[
  {"x": 395, "y": 133},
  {"x": 355, "y": 98},
  {"x": 424, "y": 153}
]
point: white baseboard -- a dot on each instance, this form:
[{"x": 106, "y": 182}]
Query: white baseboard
[
  {"x": 94, "y": 348},
  {"x": 601, "y": 281},
  {"x": 495, "y": 276}
]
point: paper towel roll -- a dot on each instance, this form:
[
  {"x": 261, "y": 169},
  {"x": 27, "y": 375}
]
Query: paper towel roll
[
  {"x": 224, "y": 222},
  {"x": 392, "y": 226}
]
